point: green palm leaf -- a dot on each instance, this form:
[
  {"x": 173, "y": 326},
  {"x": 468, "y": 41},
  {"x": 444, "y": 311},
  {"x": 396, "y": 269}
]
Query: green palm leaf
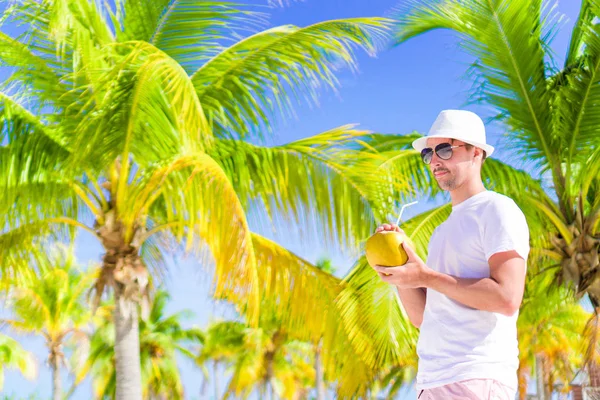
[
  {"x": 580, "y": 31},
  {"x": 150, "y": 111},
  {"x": 299, "y": 294},
  {"x": 576, "y": 99},
  {"x": 14, "y": 356},
  {"x": 175, "y": 197},
  {"x": 373, "y": 316},
  {"x": 290, "y": 61},
  {"x": 313, "y": 183},
  {"x": 191, "y": 31}
]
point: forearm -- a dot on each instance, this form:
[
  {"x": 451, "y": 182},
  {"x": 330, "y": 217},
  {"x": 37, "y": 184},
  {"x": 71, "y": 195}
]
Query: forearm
[
  {"x": 483, "y": 294},
  {"x": 413, "y": 301}
]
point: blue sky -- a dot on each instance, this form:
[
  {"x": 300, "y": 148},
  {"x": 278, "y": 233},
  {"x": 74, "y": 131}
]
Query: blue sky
[{"x": 399, "y": 91}]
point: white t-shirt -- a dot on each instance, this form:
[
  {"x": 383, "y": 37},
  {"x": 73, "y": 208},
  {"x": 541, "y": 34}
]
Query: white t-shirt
[{"x": 457, "y": 342}]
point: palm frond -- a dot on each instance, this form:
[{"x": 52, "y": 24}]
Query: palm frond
[
  {"x": 137, "y": 19},
  {"x": 420, "y": 228},
  {"x": 191, "y": 32},
  {"x": 580, "y": 31},
  {"x": 404, "y": 166},
  {"x": 377, "y": 326},
  {"x": 14, "y": 356},
  {"x": 509, "y": 68},
  {"x": 24, "y": 135},
  {"x": 21, "y": 247},
  {"x": 150, "y": 112},
  {"x": 316, "y": 183},
  {"x": 67, "y": 35},
  {"x": 576, "y": 99},
  {"x": 407, "y": 175},
  {"x": 29, "y": 69},
  {"x": 191, "y": 198},
  {"x": 297, "y": 292},
  {"x": 291, "y": 62}
]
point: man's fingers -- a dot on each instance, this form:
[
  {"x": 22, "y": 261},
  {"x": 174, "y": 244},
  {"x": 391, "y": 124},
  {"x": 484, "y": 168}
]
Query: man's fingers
[
  {"x": 410, "y": 252},
  {"x": 389, "y": 227},
  {"x": 386, "y": 270}
]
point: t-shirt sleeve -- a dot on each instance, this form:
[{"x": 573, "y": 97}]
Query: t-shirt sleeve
[{"x": 505, "y": 228}]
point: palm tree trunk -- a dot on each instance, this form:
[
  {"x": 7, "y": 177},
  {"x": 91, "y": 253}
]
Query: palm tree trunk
[
  {"x": 56, "y": 382},
  {"x": 319, "y": 381},
  {"x": 216, "y": 375},
  {"x": 127, "y": 348},
  {"x": 540, "y": 378},
  {"x": 271, "y": 390}
]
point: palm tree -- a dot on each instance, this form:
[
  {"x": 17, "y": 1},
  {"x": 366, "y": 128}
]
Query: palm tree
[
  {"x": 52, "y": 305},
  {"x": 162, "y": 337},
  {"x": 133, "y": 124},
  {"x": 548, "y": 111},
  {"x": 14, "y": 356},
  {"x": 550, "y": 326},
  {"x": 263, "y": 359}
]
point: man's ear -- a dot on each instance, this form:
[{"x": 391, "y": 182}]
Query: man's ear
[{"x": 477, "y": 152}]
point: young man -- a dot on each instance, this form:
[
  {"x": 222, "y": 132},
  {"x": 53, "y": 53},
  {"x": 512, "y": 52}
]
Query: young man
[{"x": 465, "y": 298}]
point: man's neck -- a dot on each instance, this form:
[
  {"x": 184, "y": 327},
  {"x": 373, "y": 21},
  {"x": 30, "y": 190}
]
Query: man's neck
[{"x": 466, "y": 190}]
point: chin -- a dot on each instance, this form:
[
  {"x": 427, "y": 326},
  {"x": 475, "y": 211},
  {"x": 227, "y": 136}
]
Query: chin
[{"x": 447, "y": 185}]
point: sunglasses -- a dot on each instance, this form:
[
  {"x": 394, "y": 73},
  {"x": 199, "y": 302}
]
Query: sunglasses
[{"x": 442, "y": 150}]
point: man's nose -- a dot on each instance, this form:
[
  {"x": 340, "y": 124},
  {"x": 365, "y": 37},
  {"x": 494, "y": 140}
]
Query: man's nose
[{"x": 435, "y": 160}]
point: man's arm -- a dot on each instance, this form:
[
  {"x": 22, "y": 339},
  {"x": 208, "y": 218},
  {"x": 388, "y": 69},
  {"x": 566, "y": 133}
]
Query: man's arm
[
  {"x": 502, "y": 292},
  {"x": 413, "y": 301}
]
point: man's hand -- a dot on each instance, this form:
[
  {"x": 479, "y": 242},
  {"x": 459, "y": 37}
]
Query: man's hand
[
  {"x": 414, "y": 274},
  {"x": 413, "y": 300}
]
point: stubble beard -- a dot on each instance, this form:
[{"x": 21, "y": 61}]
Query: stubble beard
[{"x": 448, "y": 184}]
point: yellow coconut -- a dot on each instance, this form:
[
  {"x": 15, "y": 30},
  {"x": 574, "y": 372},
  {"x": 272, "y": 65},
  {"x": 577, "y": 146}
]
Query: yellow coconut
[{"x": 385, "y": 249}]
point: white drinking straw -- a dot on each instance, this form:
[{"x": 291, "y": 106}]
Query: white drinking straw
[{"x": 402, "y": 210}]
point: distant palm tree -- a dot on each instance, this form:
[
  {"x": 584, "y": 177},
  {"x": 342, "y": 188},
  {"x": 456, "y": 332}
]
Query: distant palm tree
[
  {"x": 53, "y": 306},
  {"x": 259, "y": 359},
  {"x": 139, "y": 122},
  {"x": 551, "y": 336},
  {"x": 14, "y": 356},
  {"x": 162, "y": 337}
]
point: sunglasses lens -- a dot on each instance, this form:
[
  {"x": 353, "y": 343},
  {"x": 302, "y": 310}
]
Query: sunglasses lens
[
  {"x": 427, "y": 155},
  {"x": 444, "y": 151}
]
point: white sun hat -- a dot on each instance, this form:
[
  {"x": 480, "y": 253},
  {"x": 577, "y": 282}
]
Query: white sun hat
[{"x": 457, "y": 124}]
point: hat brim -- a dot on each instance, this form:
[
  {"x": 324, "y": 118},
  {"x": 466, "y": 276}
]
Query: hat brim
[{"x": 420, "y": 143}]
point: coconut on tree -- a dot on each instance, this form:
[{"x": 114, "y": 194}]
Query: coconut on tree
[{"x": 131, "y": 124}]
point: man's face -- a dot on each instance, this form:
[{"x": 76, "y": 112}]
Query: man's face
[{"x": 453, "y": 173}]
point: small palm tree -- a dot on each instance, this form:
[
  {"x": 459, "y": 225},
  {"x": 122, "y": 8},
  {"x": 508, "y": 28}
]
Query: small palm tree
[
  {"x": 52, "y": 305},
  {"x": 550, "y": 331},
  {"x": 14, "y": 356},
  {"x": 261, "y": 359},
  {"x": 162, "y": 337}
]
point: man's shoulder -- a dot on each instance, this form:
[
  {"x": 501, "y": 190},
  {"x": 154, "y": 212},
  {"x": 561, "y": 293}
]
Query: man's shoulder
[{"x": 498, "y": 202}]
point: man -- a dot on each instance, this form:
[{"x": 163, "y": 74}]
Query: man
[{"x": 465, "y": 298}]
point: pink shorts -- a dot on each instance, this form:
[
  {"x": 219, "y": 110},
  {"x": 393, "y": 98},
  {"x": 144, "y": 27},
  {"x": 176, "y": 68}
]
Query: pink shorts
[{"x": 472, "y": 389}]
